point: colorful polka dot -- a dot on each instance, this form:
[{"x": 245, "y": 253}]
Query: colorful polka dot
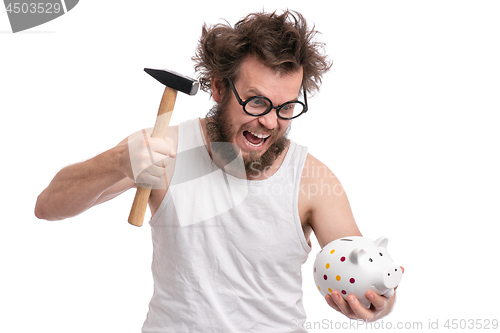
[
  {"x": 342, "y": 259},
  {"x": 352, "y": 280},
  {"x": 330, "y": 290},
  {"x": 314, "y": 269},
  {"x": 332, "y": 251},
  {"x": 319, "y": 288},
  {"x": 327, "y": 266},
  {"x": 344, "y": 292},
  {"x": 338, "y": 278},
  {"x": 325, "y": 277}
]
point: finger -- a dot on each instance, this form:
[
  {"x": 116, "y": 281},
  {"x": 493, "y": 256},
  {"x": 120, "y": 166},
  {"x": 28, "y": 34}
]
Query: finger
[
  {"x": 155, "y": 171},
  {"x": 173, "y": 150},
  {"x": 341, "y": 304},
  {"x": 379, "y": 302},
  {"x": 358, "y": 309},
  {"x": 146, "y": 180},
  {"x": 160, "y": 159},
  {"x": 331, "y": 302},
  {"x": 162, "y": 146},
  {"x": 140, "y": 153},
  {"x": 153, "y": 176}
]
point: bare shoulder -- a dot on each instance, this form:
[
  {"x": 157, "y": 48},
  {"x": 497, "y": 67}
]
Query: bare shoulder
[
  {"x": 323, "y": 203},
  {"x": 316, "y": 171},
  {"x": 318, "y": 182}
]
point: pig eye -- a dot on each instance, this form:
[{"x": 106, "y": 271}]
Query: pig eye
[
  {"x": 380, "y": 254},
  {"x": 370, "y": 260}
]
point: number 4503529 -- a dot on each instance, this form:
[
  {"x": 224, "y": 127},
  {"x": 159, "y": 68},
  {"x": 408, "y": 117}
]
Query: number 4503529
[
  {"x": 33, "y": 7},
  {"x": 485, "y": 324}
]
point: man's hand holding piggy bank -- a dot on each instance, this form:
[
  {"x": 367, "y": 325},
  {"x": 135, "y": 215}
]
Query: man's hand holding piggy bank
[{"x": 354, "y": 266}]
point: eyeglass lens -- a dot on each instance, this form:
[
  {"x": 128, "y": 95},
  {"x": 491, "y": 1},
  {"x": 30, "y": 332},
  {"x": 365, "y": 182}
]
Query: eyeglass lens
[{"x": 258, "y": 105}]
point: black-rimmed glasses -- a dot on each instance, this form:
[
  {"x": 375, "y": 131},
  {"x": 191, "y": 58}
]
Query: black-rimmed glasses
[{"x": 260, "y": 106}]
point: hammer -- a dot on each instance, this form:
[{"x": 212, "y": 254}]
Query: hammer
[{"x": 173, "y": 82}]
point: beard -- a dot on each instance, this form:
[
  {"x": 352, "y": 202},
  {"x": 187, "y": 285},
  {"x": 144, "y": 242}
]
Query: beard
[{"x": 220, "y": 130}]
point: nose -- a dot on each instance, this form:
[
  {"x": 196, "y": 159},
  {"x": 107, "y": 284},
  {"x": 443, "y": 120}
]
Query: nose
[
  {"x": 270, "y": 120},
  {"x": 393, "y": 277}
]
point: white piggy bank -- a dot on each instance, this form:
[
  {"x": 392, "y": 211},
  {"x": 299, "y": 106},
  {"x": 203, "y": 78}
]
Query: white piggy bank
[{"x": 355, "y": 265}]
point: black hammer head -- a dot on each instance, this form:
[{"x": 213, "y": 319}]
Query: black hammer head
[{"x": 174, "y": 80}]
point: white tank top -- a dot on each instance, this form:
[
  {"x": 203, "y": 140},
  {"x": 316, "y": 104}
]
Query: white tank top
[{"x": 227, "y": 252}]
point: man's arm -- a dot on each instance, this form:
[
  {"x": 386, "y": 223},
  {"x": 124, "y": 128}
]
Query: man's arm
[
  {"x": 330, "y": 217},
  {"x": 80, "y": 186},
  {"x": 323, "y": 197}
]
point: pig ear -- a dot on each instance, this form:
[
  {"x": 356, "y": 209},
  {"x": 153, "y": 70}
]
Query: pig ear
[
  {"x": 356, "y": 255},
  {"x": 381, "y": 242}
]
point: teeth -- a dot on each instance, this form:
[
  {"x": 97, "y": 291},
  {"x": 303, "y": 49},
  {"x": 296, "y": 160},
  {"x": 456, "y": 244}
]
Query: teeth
[{"x": 261, "y": 136}]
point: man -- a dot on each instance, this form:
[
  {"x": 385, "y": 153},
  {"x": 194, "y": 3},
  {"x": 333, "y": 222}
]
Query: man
[{"x": 230, "y": 237}]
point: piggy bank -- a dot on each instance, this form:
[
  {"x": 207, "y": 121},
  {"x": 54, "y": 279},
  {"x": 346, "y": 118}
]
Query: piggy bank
[{"x": 355, "y": 265}]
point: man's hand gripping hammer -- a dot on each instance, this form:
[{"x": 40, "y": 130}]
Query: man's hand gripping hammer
[{"x": 173, "y": 82}]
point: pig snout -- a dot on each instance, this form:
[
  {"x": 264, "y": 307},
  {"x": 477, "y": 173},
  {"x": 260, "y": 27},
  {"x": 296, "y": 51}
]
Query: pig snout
[{"x": 392, "y": 277}]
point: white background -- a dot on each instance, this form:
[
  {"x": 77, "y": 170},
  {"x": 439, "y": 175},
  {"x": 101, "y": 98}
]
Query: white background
[{"x": 407, "y": 119}]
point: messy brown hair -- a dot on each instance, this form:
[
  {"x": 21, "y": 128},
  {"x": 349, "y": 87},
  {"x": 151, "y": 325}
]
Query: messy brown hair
[{"x": 283, "y": 42}]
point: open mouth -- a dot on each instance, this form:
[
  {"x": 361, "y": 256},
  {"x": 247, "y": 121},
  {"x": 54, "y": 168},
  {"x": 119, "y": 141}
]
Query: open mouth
[{"x": 255, "y": 139}]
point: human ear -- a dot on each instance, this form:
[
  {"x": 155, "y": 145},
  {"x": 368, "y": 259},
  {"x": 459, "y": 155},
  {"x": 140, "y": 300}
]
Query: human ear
[{"x": 217, "y": 89}]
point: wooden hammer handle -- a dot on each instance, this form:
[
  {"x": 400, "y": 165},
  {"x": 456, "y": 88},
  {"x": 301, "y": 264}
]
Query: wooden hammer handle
[{"x": 165, "y": 110}]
